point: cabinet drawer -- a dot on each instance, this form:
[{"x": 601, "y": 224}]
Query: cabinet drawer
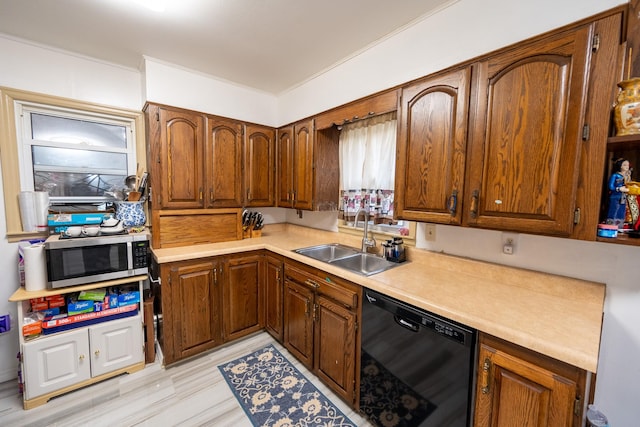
[{"x": 337, "y": 289}]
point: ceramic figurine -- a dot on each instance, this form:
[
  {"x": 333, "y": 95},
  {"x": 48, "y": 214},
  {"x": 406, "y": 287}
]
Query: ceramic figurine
[{"x": 617, "y": 193}]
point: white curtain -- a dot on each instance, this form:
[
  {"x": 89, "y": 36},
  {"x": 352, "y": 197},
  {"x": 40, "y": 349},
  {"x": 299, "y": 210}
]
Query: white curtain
[{"x": 368, "y": 154}]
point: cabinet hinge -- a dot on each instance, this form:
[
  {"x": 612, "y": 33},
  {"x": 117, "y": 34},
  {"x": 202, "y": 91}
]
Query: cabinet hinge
[
  {"x": 577, "y": 406},
  {"x": 576, "y": 216},
  {"x": 585, "y": 132},
  {"x": 595, "y": 44}
]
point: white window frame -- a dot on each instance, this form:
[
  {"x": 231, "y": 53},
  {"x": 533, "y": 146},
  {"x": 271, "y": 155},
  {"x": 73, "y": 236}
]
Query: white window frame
[
  {"x": 9, "y": 146},
  {"x": 23, "y": 111}
]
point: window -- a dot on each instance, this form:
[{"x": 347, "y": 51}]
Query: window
[
  {"x": 76, "y": 156},
  {"x": 18, "y": 140},
  {"x": 367, "y": 174}
]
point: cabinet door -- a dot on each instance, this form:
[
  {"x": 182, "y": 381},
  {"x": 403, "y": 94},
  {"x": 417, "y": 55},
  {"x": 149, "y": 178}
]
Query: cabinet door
[
  {"x": 241, "y": 296},
  {"x": 514, "y": 391},
  {"x": 181, "y": 175},
  {"x": 195, "y": 306},
  {"x": 298, "y": 321},
  {"x": 432, "y": 142},
  {"x": 303, "y": 173},
  {"x": 285, "y": 167},
  {"x": 259, "y": 166},
  {"x": 224, "y": 163},
  {"x": 527, "y": 131},
  {"x": 335, "y": 346},
  {"x": 115, "y": 345},
  {"x": 273, "y": 321},
  {"x": 55, "y": 362}
]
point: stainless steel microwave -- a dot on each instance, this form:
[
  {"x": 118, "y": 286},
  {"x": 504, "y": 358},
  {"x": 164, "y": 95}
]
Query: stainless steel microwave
[{"x": 77, "y": 261}]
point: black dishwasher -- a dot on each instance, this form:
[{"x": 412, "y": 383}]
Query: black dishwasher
[{"x": 416, "y": 368}]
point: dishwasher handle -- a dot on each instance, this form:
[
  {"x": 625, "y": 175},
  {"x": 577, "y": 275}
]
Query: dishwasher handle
[{"x": 413, "y": 327}]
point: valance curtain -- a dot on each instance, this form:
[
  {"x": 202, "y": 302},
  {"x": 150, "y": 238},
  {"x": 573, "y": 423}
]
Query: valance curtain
[{"x": 368, "y": 154}]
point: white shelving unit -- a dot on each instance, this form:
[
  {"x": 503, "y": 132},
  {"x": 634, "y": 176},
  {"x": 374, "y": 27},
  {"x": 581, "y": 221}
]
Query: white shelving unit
[{"x": 65, "y": 361}]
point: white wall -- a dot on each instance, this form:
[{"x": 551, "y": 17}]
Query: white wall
[
  {"x": 466, "y": 29},
  {"x": 37, "y": 69},
  {"x": 167, "y": 84},
  {"x": 618, "y": 376},
  {"x": 462, "y": 31},
  {"x": 53, "y": 72}
]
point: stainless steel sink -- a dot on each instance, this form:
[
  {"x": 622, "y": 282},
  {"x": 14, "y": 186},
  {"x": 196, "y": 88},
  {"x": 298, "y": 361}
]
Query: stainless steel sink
[
  {"x": 331, "y": 251},
  {"x": 348, "y": 258},
  {"x": 365, "y": 264}
]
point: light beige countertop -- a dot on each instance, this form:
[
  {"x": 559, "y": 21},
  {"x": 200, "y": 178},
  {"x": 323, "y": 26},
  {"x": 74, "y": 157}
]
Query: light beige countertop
[{"x": 554, "y": 315}]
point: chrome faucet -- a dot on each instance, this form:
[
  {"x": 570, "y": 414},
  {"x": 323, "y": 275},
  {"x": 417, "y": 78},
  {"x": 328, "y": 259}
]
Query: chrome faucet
[{"x": 366, "y": 241}]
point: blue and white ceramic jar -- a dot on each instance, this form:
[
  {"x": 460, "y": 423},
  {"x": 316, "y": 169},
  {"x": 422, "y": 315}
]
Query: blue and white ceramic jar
[{"x": 131, "y": 213}]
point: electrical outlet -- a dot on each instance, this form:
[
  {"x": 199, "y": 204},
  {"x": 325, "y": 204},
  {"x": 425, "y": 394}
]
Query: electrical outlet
[
  {"x": 5, "y": 323},
  {"x": 430, "y": 232},
  {"x": 509, "y": 241}
]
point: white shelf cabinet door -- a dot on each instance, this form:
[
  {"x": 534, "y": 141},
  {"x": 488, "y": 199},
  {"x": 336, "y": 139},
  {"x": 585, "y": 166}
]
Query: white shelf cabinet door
[
  {"x": 116, "y": 345},
  {"x": 55, "y": 362}
]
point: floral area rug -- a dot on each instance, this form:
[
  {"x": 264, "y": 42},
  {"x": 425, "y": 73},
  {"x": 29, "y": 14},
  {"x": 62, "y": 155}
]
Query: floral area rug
[
  {"x": 273, "y": 392},
  {"x": 388, "y": 402}
]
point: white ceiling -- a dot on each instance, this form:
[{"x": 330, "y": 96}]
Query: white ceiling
[{"x": 270, "y": 45}]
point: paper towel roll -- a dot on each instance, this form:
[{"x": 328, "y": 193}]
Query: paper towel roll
[
  {"x": 41, "y": 209},
  {"x": 35, "y": 268},
  {"x": 27, "y": 202}
]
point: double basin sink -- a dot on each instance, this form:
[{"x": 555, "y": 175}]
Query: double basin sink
[{"x": 348, "y": 258}]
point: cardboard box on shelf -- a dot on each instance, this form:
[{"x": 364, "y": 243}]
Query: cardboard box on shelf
[
  {"x": 128, "y": 298},
  {"x": 79, "y": 307},
  {"x": 39, "y": 305},
  {"x": 59, "y": 222}
]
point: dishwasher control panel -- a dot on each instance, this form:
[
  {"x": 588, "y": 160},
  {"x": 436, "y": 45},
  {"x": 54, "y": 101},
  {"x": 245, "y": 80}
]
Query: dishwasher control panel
[{"x": 444, "y": 329}]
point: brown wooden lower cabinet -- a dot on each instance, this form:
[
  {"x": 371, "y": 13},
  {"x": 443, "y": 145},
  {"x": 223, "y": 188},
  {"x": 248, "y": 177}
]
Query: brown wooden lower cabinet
[
  {"x": 273, "y": 296},
  {"x": 335, "y": 346},
  {"x": 191, "y": 296},
  {"x": 241, "y": 294},
  {"x": 518, "y": 387},
  {"x": 209, "y": 301},
  {"x": 320, "y": 326}
]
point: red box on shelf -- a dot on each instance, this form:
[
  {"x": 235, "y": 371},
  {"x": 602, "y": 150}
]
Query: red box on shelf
[
  {"x": 39, "y": 306},
  {"x": 78, "y": 318}
]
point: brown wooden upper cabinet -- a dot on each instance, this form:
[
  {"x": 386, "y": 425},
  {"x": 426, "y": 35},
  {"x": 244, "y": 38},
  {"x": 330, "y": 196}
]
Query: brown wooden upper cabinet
[
  {"x": 514, "y": 128},
  {"x": 431, "y": 148},
  {"x": 223, "y": 161},
  {"x": 308, "y": 167},
  {"x": 259, "y": 166},
  {"x": 370, "y": 106},
  {"x": 296, "y": 144},
  {"x": 176, "y": 145},
  {"x": 203, "y": 161},
  {"x": 527, "y": 118}
]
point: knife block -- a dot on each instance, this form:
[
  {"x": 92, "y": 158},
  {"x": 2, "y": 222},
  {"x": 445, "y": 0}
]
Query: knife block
[{"x": 256, "y": 233}]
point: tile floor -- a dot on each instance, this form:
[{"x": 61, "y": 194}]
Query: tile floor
[{"x": 192, "y": 393}]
